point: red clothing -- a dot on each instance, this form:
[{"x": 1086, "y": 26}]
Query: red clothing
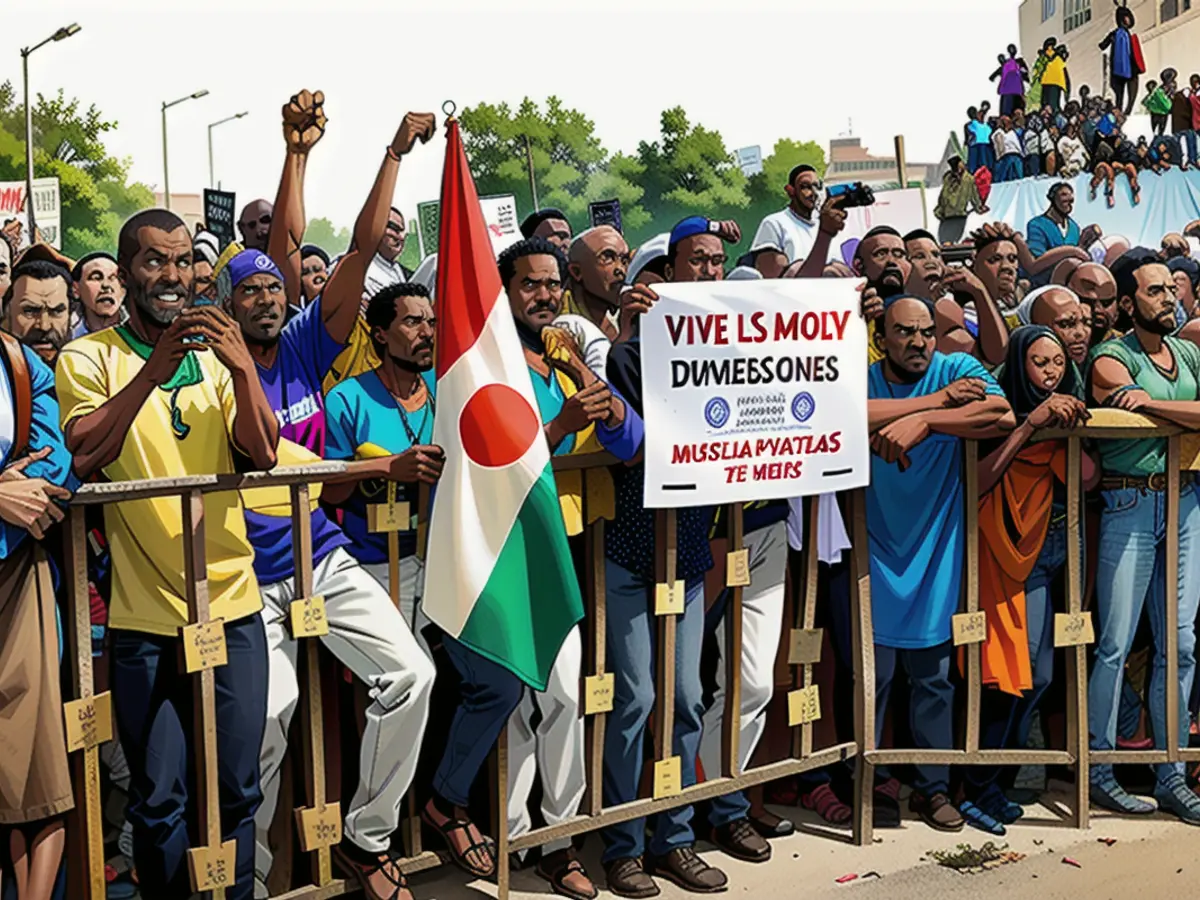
[
  {"x": 983, "y": 181},
  {"x": 1195, "y": 101}
]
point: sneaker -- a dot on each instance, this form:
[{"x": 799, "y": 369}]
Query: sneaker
[
  {"x": 887, "y": 805},
  {"x": 1109, "y": 795},
  {"x": 687, "y": 870},
  {"x": 936, "y": 811},
  {"x": 977, "y": 818},
  {"x": 993, "y": 802},
  {"x": 1174, "y": 797},
  {"x": 739, "y": 840},
  {"x": 628, "y": 878}
]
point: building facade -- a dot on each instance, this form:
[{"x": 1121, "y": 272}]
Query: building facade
[
  {"x": 1169, "y": 31},
  {"x": 850, "y": 161}
]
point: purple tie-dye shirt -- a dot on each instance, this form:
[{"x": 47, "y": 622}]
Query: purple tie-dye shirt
[{"x": 293, "y": 389}]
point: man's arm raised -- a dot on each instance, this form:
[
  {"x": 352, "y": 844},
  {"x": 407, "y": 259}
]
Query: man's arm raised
[
  {"x": 303, "y": 126},
  {"x": 341, "y": 300}
]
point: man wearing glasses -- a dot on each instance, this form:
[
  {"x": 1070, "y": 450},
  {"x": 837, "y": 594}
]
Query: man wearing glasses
[{"x": 789, "y": 235}]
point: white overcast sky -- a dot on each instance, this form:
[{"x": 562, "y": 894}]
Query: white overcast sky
[{"x": 755, "y": 70}]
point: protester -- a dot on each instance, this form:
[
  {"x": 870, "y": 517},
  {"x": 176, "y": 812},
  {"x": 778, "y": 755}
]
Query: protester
[
  {"x": 100, "y": 293},
  {"x": 1149, "y": 371},
  {"x": 314, "y": 272},
  {"x": 1125, "y": 60},
  {"x": 255, "y": 224},
  {"x": 1115, "y": 157},
  {"x": 1054, "y": 227},
  {"x": 1181, "y": 119},
  {"x": 977, "y": 134},
  {"x": 1009, "y": 152},
  {"x": 599, "y": 261},
  {"x": 793, "y": 230},
  {"x": 921, "y": 404},
  {"x": 1012, "y": 76},
  {"x": 958, "y": 198},
  {"x": 386, "y": 268},
  {"x": 37, "y": 307},
  {"x": 1056, "y": 81},
  {"x": 1158, "y": 105},
  {"x": 551, "y": 224},
  {"x": 6, "y": 263},
  {"x": 204, "y": 263},
  {"x": 126, "y": 415},
  {"x": 1073, "y": 158}
]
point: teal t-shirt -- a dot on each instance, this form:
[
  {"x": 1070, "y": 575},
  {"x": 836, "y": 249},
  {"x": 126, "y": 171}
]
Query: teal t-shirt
[
  {"x": 360, "y": 411},
  {"x": 1147, "y": 456},
  {"x": 550, "y": 400}
]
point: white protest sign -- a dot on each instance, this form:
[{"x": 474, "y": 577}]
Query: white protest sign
[
  {"x": 500, "y": 215},
  {"x": 47, "y": 210},
  {"x": 754, "y": 390}
]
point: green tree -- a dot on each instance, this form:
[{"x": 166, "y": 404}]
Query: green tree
[
  {"x": 95, "y": 192},
  {"x": 321, "y": 232},
  {"x": 786, "y": 155}
]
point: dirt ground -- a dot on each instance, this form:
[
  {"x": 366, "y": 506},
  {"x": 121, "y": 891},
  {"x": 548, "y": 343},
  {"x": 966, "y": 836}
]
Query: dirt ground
[{"x": 1151, "y": 858}]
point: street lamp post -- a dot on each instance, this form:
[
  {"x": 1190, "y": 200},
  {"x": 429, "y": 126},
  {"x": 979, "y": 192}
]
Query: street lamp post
[
  {"x": 61, "y": 35},
  {"x": 212, "y": 183},
  {"x": 166, "y": 168}
]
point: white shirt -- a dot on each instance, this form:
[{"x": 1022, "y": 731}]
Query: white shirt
[
  {"x": 788, "y": 233},
  {"x": 831, "y": 530},
  {"x": 380, "y": 274},
  {"x": 593, "y": 343}
]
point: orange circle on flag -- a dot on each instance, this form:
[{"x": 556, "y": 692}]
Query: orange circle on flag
[{"x": 497, "y": 426}]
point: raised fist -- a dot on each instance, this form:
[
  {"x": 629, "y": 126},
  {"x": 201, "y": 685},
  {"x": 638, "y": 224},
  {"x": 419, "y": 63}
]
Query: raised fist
[
  {"x": 414, "y": 126},
  {"x": 304, "y": 121}
]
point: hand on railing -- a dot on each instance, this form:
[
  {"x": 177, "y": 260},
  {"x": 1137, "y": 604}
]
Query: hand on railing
[
  {"x": 28, "y": 503},
  {"x": 422, "y": 463},
  {"x": 1059, "y": 411}
]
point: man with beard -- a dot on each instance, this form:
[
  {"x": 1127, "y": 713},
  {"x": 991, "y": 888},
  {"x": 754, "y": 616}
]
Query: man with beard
[
  {"x": 694, "y": 253},
  {"x": 793, "y": 230},
  {"x": 1154, "y": 373},
  {"x": 1055, "y": 227},
  {"x": 921, "y": 405},
  {"x": 996, "y": 264},
  {"x": 882, "y": 259},
  {"x": 255, "y": 224},
  {"x": 145, "y": 400},
  {"x": 1096, "y": 289},
  {"x": 291, "y": 361},
  {"x": 580, "y": 414},
  {"x": 99, "y": 292},
  {"x": 37, "y": 308},
  {"x": 1059, "y": 309},
  {"x": 599, "y": 260},
  {"x": 981, "y": 331}
]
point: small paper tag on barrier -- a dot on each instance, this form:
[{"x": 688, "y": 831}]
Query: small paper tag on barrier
[
  {"x": 1073, "y": 629},
  {"x": 1189, "y": 451},
  {"x": 204, "y": 645},
  {"x": 805, "y": 646},
  {"x": 669, "y": 599},
  {"x": 804, "y": 705},
  {"x": 598, "y": 693},
  {"x": 969, "y": 628},
  {"x": 385, "y": 517},
  {"x": 213, "y": 867},
  {"x": 668, "y": 777},
  {"x": 319, "y": 827},
  {"x": 308, "y": 617},
  {"x": 737, "y": 568},
  {"x": 89, "y": 722}
]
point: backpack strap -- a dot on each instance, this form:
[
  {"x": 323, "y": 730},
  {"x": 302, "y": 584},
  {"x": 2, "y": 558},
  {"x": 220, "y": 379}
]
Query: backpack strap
[{"x": 22, "y": 390}]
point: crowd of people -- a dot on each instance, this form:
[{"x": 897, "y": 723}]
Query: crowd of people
[
  {"x": 1041, "y": 131},
  {"x": 172, "y": 356}
]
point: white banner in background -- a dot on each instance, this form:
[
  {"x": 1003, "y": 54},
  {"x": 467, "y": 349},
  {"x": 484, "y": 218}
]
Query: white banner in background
[
  {"x": 754, "y": 390},
  {"x": 500, "y": 214},
  {"x": 47, "y": 210}
]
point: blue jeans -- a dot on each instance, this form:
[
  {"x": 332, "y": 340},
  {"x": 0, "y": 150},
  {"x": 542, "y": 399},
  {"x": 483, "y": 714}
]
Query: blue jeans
[
  {"x": 155, "y": 713},
  {"x": 1189, "y": 139},
  {"x": 489, "y": 695},
  {"x": 1130, "y": 567},
  {"x": 631, "y": 646},
  {"x": 931, "y": 712}
]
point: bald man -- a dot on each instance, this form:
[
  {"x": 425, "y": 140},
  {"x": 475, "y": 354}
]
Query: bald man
[
  {"x": 255, "y": 224},
  {"x": 596, "y": 269},
  {"x": 1059, "y": 309},
  {"x": 1096, "y": 289}
]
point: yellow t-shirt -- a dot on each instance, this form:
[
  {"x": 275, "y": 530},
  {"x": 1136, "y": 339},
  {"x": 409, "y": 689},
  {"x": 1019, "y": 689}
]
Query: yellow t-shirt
[
  {"x": 146, "y": 536},
  {"x": 874, "y": 354},
  {"x": 358, "y": 357},
  {"x": 1055, "y": 74}
]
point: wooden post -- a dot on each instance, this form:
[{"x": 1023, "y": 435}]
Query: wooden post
[
  {"x": 88, "y": 884},
  {"x": 731, "y": 731},
  {"x": 862, "y": 637},
  {"x": 1173, "y": 700},
  {"x": 664, "y": 669},
  {"x": 1077, "y": 727},
  {"x": 901, "y": 162},
  {"x": 594, "y": 652},
  {"x": 500, "y": 816},
  {"x": 974, "y": 662},
  {"x": 313, "y": 720},
  {"x": 210, "y": 862},
  {"x": 808, "y": 613}
]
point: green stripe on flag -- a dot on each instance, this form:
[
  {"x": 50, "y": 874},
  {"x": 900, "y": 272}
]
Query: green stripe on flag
[{"x": 531, "y": 601}]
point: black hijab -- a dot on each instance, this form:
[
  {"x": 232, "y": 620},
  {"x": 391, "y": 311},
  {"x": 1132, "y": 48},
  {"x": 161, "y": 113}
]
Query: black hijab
[{"x": 1023, "y": 395}]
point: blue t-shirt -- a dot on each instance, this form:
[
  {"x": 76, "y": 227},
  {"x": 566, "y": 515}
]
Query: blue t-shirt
[
  {"x": 915, "y": 519},
  {"x": 550, "y": 401},
  {"x": 293, "y": 389},
  {"x": 360, "y": 411}
]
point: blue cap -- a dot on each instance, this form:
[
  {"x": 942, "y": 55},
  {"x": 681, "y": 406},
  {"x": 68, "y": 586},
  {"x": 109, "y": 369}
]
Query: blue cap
[
  {"x": 251, "y": 262},
  {"x": 690, "y": 227}
]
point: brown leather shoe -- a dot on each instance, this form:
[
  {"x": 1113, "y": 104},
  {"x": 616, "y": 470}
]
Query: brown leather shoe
[
  {"x": 684, "y": 868},
  {"x": 628, "y": 878},
  {"x": 740, "y": 840},
  {"x": 937, "y": 812},
  {"x": 567, "y": 876}
]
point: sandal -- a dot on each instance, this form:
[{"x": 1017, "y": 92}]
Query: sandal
[
  {"x": 382, "y": 874},
  {"x": 460, "y": 859},
  {"x": 558, "y": 867},
  {"x": 977, "y": 818}
]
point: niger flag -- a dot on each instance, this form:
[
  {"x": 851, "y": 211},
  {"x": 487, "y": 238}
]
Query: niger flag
[{"x": 499, "y": 576}]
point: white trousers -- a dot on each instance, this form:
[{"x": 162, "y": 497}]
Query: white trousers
[
  {"x": 555, "y": 748},
  {"x": 368, "y": 635},
  {"x": 412, "y": 588},
  {"x": 762, "y": 626}
]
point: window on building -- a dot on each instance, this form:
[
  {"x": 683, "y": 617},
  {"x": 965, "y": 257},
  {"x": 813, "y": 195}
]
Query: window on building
[
  {"x": 1049, "y": 8},
  {"x": 1076, "y": 13},
  {"x": 1172, "y": 8}
]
